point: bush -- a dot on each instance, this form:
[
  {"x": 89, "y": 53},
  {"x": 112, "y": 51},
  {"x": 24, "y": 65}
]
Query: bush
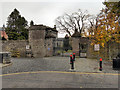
[
  {"x": 64, "y": 51},
  {"x": 59, "y": 52},
  {"x": 69, "y": 51},
  {"x": 15, "y": 53}
]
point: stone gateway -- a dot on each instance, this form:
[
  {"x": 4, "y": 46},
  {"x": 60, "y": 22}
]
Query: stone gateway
[{"x": 41, "y": 40}]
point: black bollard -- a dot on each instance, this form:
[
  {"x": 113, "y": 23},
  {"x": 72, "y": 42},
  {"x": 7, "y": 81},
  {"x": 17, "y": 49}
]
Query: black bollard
[
  {"x": 71, "y": 62},
  {"x": 100, "y": 64},
  {"x": 73, "y": 56}
]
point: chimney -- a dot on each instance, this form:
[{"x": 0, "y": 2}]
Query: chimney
[{"x": 54, "y": 26}]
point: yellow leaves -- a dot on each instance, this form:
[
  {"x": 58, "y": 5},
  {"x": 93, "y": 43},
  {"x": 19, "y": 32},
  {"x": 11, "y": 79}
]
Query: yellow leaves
[
  {"x": 101, "y": 36},
  {"x": 113, "y": 31},
  {"x": 90, "y": 35},
  {"x": 104, "y": 27},
  {"x": 98, "y": 43},
  {"x": 92, "y": 44},
  {"x": 85, "y": 34},
  {"x": 118, "y": 41},
  {"x": 117, "y": 38},
  {"x": 107, "y": 29},
  {"x": 102, "y": 44},
  {"x": 99, "y": 39}
]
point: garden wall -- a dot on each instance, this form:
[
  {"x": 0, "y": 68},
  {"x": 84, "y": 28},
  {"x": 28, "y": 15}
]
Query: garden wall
[{"x": 15, "y": 46}]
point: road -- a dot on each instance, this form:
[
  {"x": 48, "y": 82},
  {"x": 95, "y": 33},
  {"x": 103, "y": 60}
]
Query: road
[
  {"x": 53, "y": 72},
  {"x": 57, "y": 79}
]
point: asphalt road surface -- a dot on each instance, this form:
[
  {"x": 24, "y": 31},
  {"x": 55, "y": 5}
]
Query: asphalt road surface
[
  {"x": 52, "y": 72},
  {"x": 57, "y": 79}
]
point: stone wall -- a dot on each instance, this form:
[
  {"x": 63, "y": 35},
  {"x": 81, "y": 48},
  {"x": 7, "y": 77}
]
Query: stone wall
[
  {"x": 58, "y": 46},
  {"x": 109, "y": 51},
  {"x": 37, "y": 42},
  {"x": 49, "y": 47},
  {"x": 75, "y": 45},
  {"x": 90, "y": 51},
  {"x": 15, "y": 45},
  {"x": 76, "y": 42},
  {"x": 115, "y": 49},
  {"x": 41, "y": 40},
  {"x": 105, "y": 52}
]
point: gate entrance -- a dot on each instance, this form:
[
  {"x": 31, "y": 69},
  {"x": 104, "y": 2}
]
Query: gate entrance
[{"x": 82, "y": 50}]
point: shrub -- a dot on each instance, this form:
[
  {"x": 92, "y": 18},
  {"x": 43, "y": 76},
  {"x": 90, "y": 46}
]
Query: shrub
[
  {"x": 15, "y": 53},
  {"x": 69, "y": 51},
  {"x": 64, "y": 51},
  {"x": 59, "y": 52}
]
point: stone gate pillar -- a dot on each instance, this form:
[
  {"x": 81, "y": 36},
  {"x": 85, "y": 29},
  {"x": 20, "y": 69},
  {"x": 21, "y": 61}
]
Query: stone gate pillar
[
  {"x": 80, "y": 45},
  {"x": 75, "y": 45},
  {"x": 75, "y": 42},
  {"x": 37, "y": 40}
]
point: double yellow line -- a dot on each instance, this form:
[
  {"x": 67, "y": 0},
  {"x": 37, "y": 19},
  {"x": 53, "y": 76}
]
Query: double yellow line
[{"x": 59, "y": 72}]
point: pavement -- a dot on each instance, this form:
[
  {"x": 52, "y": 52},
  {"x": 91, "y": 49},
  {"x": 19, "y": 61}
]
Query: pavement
[{"x": 4, "y": 65}]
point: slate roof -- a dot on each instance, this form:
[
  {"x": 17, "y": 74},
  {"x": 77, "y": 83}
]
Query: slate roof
[{"x": 42, "y": 27}]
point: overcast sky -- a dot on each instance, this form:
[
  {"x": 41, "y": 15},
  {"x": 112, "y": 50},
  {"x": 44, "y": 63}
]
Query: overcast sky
[{"x": 46, "y": 11}]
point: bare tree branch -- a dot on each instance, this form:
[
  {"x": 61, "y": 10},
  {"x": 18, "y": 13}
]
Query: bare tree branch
[{"x": 71, "y": 23}]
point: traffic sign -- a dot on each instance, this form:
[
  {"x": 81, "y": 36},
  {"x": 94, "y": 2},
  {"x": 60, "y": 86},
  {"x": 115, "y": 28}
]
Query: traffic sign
[{"x": 96, "y": 47}]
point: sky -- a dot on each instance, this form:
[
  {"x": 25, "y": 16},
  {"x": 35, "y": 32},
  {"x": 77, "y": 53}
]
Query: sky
[{"x": 46, "y": 11}]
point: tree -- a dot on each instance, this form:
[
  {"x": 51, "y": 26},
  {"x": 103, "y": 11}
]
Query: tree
[
  {"x": 107, "y": 29},
  {"x": 114, "y": 7},
  {"x": 92, "y": 24},
  {"x": 16, "y": 26},
  {"x": 31, "y": 23},
  {"x": 76, "y": 22}
]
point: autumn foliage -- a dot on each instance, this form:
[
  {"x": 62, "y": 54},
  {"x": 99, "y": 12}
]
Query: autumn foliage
[{"x": 107, "y": 28}]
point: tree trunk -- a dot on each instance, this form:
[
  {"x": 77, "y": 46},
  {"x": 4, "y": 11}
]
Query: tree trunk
[{"x": 109, "y": 48}]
